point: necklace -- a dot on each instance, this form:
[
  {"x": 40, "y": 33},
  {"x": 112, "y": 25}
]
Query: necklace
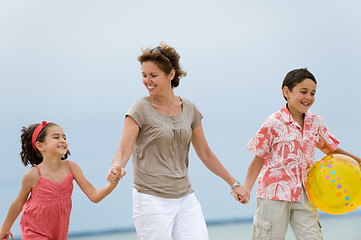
[
  {"x": 168, "y": 110},
  {"x": 164, "y": 108},
  {"x": 57, "y": 179}
]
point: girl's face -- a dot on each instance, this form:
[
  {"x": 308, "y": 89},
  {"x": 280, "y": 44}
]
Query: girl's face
[
  {"x": 155, "y": 80},
  {"x": 55, "y": 142},
  {"x": 301, "y": 98}
]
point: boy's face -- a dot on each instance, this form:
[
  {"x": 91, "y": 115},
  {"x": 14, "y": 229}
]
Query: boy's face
[{"x": 301, "y": 98}]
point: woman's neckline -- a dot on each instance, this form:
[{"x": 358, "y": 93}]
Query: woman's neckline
[{"x": 169, "y": 116}]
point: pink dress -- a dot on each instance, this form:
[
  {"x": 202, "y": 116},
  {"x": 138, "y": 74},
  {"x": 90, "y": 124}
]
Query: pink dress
[{"x": 46, "y": 213}]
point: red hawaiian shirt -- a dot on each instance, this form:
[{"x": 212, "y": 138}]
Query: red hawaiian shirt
[{"x": 289, "y": 152}]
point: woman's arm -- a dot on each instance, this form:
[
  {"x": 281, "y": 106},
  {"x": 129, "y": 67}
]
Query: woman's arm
[
  {"x": 210, "y": 160},
  {"x": 127, "y": 141},
  {"x": 95, "y": 195},
  {"x": 253, "y": 171},
  {"x": 28, "y": 182}
]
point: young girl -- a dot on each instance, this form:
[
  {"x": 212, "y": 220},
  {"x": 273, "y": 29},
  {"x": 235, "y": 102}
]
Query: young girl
[
  {"x": 285, "y": 148},
  {"x": 45, "y": 214}
]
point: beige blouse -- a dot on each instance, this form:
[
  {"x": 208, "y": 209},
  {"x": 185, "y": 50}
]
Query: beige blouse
[{"x": 160, "y": 154}]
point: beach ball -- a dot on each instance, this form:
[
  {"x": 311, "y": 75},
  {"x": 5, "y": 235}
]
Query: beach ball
[{"x": 334, "y": 184}]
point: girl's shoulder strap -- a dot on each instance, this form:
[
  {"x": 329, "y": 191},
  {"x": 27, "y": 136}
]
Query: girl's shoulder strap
[
  {"x": 34, "y": 165},
  {"x": 69, "y": 166}
]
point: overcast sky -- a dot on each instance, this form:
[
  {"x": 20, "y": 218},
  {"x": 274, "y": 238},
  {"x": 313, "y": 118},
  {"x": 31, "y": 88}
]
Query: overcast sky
[{"x": 75, "y": 63}]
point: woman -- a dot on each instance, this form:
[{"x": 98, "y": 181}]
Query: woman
[{"x": 158, "y": 130}]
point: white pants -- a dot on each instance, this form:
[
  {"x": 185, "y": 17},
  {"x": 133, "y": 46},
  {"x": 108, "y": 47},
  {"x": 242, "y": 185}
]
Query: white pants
[
  {"x": 157, "y": 218},
  {"x": 272, "y": 218}
]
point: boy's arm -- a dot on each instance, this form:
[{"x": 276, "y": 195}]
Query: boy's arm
[
  {"x": 95, "y": 195},
  {"x": 253, "y": 170},
  {"x": 341, "y": 151}
]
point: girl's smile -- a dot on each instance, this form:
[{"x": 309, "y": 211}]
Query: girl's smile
[{"x": 55, "y": 141}]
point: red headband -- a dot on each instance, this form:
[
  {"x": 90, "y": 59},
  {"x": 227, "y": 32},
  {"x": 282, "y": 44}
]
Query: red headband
[{"x": 37, "y": 132}]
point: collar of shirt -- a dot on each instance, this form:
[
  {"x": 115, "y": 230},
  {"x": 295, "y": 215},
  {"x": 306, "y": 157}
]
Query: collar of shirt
[{"x": 286, "y": 116}]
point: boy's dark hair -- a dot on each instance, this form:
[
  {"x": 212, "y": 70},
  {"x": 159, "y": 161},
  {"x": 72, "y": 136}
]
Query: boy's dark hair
[
  {"x": 296, "y": 76},
  {"x": 28, "y": 154}
]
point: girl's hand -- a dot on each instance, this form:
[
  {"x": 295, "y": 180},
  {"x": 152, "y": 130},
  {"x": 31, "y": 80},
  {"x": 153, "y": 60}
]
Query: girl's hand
[
  {"x": 5, "y": 236},
  {"x": 115, "y": 173},
  {"x": 121, "y": 172}
]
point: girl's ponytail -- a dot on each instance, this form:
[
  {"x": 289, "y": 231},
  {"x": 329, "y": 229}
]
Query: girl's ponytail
[{"x": 28, "y": 154}]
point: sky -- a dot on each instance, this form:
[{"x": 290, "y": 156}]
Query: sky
[{"x": 75, "y": 63}]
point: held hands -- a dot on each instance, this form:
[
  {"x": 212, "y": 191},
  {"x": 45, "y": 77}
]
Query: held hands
[
  {"x": 115, "y": 173},
  {"x": 241, "y": 194}
]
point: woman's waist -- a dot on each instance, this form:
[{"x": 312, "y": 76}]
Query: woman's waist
[{"x": 163, "y": 185}]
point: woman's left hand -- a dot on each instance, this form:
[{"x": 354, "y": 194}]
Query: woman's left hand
[{"x": 241, "y": 194}]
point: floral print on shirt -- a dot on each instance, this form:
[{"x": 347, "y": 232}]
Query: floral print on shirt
[{"x": 289, "y": 152}]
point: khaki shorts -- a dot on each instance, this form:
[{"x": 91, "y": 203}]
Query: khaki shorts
[{"x": 272, "y": 218}]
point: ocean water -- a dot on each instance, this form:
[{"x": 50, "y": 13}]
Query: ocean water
[{"x": 334, "y": 227}]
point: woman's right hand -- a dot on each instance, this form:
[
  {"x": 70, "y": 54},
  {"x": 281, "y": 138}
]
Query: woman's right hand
[{"x": 115, "y": 173}]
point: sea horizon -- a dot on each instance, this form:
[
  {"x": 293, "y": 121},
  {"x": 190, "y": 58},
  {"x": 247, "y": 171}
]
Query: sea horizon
[{"x": 334, "y": 227}]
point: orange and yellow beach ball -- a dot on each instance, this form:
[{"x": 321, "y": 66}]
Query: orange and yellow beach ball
[{"x": 334, "y": 184}]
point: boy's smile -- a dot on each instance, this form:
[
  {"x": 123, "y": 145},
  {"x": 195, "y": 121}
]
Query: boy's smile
[{"x": 301, "y": 98}]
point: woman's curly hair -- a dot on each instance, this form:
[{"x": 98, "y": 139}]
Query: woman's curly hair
[{"x": 166, "y": 58}]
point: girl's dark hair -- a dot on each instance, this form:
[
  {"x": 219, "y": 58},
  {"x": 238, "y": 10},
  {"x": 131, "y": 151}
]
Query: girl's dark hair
[
  {"x": 28, "y": 154},
  {"x": 166, "y": 58},
  {"x": 296, "y": 76}
]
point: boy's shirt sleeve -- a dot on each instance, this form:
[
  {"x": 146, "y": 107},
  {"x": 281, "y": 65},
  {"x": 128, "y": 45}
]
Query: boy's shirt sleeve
[
  {"x": 327, "y": 143},
  {"x": 260, "y": 144}
]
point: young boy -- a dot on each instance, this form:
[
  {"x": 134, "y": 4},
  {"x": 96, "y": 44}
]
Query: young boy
[{"x": 284, "y": 151}]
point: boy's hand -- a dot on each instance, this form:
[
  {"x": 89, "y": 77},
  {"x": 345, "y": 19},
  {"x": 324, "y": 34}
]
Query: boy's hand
[{"x": 241, "y": 194}]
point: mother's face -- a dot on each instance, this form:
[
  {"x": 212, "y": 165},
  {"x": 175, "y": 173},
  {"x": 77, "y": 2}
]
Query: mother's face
[{"x": 155, "y": 80}]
